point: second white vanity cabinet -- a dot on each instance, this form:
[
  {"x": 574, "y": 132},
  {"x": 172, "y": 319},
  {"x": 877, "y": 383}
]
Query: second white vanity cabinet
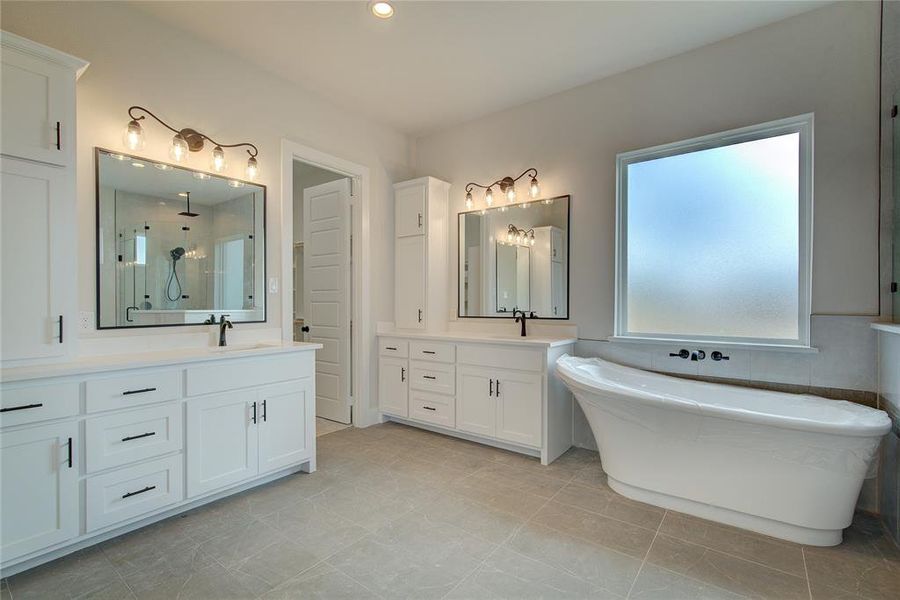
[{"x": 503, "y": 393}]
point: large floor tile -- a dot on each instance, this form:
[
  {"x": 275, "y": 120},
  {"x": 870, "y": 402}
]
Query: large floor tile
[
  {"x": 725, "y": 571},
  {"x": 274, "y": 565},
  {"x": 212, "y": 583},
  {"x": 323, "y": 582},
  {"x": 319, "y": 529},
  {"x": 469, "y": 515},
  {"x": 771, "y": 552},
  {"x": 239, "y": 543},
  {"x": 658, "y": 584},
  {"x": 602, "y": 567},
  {"x": 608, "y": 503},
  {"x": 595, "y": 528},
  {"x": 526, "y": 480},
  {"x": 362, "y": 506},
  {"x": 69, "y": 577},
  {"x": 500, "y": 496}
]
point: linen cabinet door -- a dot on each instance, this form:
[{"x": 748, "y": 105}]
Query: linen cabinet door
[
  {"x": 475, "y": 402},
  {"x": 393, "y": 386},
  {"x": 409, "y": 210},
  {"x": 222, "y": 440},
  {"x": 39, "y": 491},
  {"x": 519, "y": 407},
  {"x": 410, "y": 279},
  {"x": 286, "y": 425}
]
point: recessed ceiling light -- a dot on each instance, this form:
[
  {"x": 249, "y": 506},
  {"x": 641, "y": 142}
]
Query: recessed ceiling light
[
  {"x": 162, "y": 167},
  {"x": 382, "y": 9},
  {"x": 235, "y": 183},
  {"x": 138, "y": 165},
  {"x": 201, "y": 176},
  {"x": 182, "y": 194},
  {"x": 118, "y": 156}
]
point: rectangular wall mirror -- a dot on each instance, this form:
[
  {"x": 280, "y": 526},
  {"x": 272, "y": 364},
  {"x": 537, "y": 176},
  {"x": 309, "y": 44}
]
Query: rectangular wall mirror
[
  {"x": 175, "y": 246},
  {"x": 515, "y": 257}
]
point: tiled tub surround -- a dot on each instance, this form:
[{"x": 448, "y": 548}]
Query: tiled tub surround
[{"x": 398, "y": 512}]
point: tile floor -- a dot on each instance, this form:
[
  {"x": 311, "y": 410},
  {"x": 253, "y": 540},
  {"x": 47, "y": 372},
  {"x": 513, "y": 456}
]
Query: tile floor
[
  {"x": 326, "y": 426},
  {"x": 396, "y": 512}
]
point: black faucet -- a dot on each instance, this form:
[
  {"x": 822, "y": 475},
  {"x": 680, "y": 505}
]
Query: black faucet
[
  {"x": 522, "y": 318},
  {"x": 223, "y": 324}
]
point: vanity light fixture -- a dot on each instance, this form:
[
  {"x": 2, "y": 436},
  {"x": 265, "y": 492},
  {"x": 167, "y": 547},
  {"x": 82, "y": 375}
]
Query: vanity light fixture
[
  {"x": 519, "y": 236},
  {"x": 381, "y": 9},
  {"x": 507, "y": 187},
  {"x": 187, "y": 140}
]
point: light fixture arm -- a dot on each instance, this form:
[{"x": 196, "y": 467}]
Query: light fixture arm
[
  {"x": 192, "y": 136},
  {"x": 503, "y": 183}
]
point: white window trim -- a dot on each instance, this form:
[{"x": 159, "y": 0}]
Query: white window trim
[{"x": 802, "y": 124}]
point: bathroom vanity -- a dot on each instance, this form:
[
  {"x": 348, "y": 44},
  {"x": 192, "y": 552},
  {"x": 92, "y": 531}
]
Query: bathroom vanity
[
  {"x": 97, "y": 447},
  {"x": 501, "y": 391}
]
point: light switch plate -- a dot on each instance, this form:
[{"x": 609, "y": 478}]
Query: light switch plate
[
  {"x": 85, "y": 320},
  {"x": 273, "y": 285}
]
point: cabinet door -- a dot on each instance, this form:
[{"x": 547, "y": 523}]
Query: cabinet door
[
  {"x": 36, "y": 96},
  {"x": 410, "y": 279},
  {"x": 558, "y": 289},
  {"x": 33, "y": 260},
  {"x": 519, "y": 407},
  {"x": 39, "y": 491},
  {"x": 221, "y": 440},
  {"x": 475, "y": 402},
  {"x": 409, "y": 211},
  {"x": 393, "y": 386},
  {"x": 557, "y": 245},
  {"x": 286, "y": 421}
]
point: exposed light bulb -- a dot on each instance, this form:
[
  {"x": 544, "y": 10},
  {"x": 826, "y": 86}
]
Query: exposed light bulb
[
  {"x": 252, "y": 168},
  {"x": 511, "y": 194},
  {"x": 382, "y": 9},
  {"x": 468, "y": 199},
  {"x": 535, "y": 187},
  {"x": 201, "y": 176},
  {"x": 509, "y": 234},
  {"x": 218, "y": 159},
  {"x": 235, "y": 183},
  {"x": 531, "y": 240},
  {"x": 134, "y": 135},
  {"x": 489, "y": 197},
  {"x": 179, "y": 148}
]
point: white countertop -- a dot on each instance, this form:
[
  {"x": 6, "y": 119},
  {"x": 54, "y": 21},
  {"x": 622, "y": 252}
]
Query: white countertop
[
  {"x": 157, "y": 358},
  {"x": 888, "y": 327},
  {"x": 485, "y": 338}
]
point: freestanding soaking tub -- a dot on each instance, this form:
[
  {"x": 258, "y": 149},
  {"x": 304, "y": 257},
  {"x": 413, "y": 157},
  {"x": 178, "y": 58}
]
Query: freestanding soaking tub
[{"x": 786, "y": 465}]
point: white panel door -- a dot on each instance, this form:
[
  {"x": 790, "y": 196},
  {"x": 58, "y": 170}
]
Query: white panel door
[
  {"x": 36, "y": 120},
  {"x": 286, "y": 415},
  {"x": 33, "y": 260},
  {"x": 222, "y": 436},
  {"x": 393, "y": 386},
  {"x": 518, "y": 397},
  {"x": 409, "y": 211},
  {"x": 39, "y": 491},
  {"x": 410, "y": 276},
  {"x": 475, "y": 403},
  {"x": 326, "y": 290}
]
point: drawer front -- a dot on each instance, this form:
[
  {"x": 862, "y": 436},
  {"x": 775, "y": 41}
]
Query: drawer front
[
  {"x": 502, "y": 357},
  {"x": 432, "y": 377},
  {"x": 243, "y": 373},
  {"x": 393, "y": 347},
  {"x": 122, "y": 438},
  {"x": 432, "y": 408},
  {"x": 133, "y": 491},
  {"x": 134, "y": 389},
  {"x": 19, "y": 406},
  {"x": 432, "y": 351}
]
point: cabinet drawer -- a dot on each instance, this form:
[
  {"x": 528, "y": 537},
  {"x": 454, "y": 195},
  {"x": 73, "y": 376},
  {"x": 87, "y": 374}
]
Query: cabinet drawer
[
  {"x": 432, "y": 377},
  {"x": 433, "y": 351},
  {"x": 122, "y": 438},
  {"x": 432, "y": 408},
  {"x": 393, "y": 347},
  {"x": 19, "y": 406},
  {"x": 133, "y": 491},
  {"x": 243, "y": 373},
  {"x": 502, "y": 357},
  {"x": 134, "y": 389}
]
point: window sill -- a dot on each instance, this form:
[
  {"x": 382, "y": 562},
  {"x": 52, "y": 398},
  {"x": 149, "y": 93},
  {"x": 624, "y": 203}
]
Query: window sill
[{"x": 714, "y": 344}]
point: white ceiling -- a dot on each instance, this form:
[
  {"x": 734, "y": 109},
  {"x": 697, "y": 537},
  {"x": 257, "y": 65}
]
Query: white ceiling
[{"x": 436, "y": 64}]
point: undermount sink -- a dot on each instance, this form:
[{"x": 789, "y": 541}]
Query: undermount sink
[{"x": 242, "y": 347}]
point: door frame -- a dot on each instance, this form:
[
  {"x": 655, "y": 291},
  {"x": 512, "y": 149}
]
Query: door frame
[{"x": 361, "y": 336}]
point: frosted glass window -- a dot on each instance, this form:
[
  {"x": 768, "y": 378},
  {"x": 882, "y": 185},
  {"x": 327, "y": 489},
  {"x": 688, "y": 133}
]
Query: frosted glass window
[{"x": 714, "y": 243}]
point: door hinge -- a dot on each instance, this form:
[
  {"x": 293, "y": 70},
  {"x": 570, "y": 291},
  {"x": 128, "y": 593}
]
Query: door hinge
[
  {"x": 894, "y": 112},
  {"x": 893, "y": 287}
]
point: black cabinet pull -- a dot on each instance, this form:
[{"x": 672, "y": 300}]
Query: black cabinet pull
[
  {"x": 420, "y": 315},
  {"x": 254, "y": 412},
  {"x": 428, "y": 352},
  {"x": 429, "y": 408},
  {"x": 264, "y": 410},
  {"x": 58, "y": 137},
  {"x": 498, "y": 388},
  {"x": 394, "y": 348},
  {"x": 23, "y": 407},
  {"x": 60, "y": 329},
  {"x": 491, "y": 388},
  {"x": 139, "y": 436},
  {"x": 140, "y": 391},
  {"x": 402, "y": 374},
  {"x": 146, "y": 489},
  {"x": 428, "y": 377},
  {"x": 70, "y": 453}
]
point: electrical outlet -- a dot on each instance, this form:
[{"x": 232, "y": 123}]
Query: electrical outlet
[
  {"x": 85, "y": 320},
  {"x": 273, "y": 285}
]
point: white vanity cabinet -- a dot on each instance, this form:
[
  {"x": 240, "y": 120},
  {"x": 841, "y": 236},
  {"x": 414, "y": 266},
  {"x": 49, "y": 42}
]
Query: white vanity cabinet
[
  {"x": 37, "y": 201},
  {"x": 92, "y": 449},
  {"x": 503, "y": 394},
  {"x": 420, "y": 249}
]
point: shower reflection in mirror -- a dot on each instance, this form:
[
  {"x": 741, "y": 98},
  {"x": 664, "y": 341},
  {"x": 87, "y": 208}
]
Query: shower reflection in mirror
[{"x": 175, "y": 245}]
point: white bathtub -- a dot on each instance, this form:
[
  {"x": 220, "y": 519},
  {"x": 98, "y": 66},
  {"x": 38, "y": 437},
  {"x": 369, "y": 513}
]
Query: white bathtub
[{"x": 786, "y": 465}]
